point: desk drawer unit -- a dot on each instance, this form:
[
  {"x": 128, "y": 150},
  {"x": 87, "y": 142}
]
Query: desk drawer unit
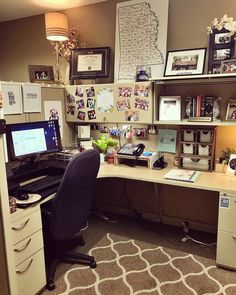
[
  {"x": 226, "y": 238},
  {"x": 30, "y": 274},
  {"x": 28, "y": 247},
  {"x": 26, "y": 226}
]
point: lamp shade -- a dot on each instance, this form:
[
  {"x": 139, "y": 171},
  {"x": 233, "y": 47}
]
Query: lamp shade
[{"x": 56, "y": 25}]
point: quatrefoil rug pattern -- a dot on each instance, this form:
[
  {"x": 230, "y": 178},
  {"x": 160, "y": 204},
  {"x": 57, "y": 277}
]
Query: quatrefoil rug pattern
[{"x": 126, "y": 267}]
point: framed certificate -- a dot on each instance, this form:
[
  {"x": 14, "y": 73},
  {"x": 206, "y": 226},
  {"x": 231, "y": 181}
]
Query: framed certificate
[{"x": 90, "y": 63}]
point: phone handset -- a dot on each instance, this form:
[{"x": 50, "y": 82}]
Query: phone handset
[{"x": 138, "y": 149}]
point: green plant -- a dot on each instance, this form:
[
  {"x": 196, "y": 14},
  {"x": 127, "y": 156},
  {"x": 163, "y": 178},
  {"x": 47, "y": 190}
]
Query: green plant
[
  {"x": 103, "y": 143},
  {"x": 225, "y": 155}
]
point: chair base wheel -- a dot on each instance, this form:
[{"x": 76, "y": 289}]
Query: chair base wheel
[
  {"x": 50, "y": 285},
  {"x": 93, "y": 264}
]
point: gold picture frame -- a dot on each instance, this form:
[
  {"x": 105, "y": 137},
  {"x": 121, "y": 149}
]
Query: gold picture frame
[{"x": 41, "y": 74}]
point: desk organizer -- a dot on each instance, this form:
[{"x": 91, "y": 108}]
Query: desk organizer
[
  {"x": 146, "y": 161},
  {"x": 197, "y": 147}
]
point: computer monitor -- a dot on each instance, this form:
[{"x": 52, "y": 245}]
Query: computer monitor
[{"x": 31, "y": 139}]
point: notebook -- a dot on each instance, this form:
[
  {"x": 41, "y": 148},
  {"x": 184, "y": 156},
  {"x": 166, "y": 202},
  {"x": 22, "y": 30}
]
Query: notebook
[{"x": 182, "y": 175}]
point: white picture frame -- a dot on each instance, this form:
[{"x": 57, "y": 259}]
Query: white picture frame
[
  {"x": 31, "y": 97},
  {"x": 12, "y": 98},
  {"x": 170, "y": 108},
  {"x": 231, "y": 168}
]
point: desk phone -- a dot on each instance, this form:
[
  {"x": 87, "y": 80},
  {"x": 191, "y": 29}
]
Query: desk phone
[{"x": 130, "y": 149}]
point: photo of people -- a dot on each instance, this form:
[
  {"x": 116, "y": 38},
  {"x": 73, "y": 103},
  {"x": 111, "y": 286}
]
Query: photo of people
[
  {"x": 81, "y": 115},
  {"x": 123, "y": 105},
  {"x": 80, "y": 104},
  {"x": 91, "y": 115},
  {"x": 90, "y": 91},
  {"x": 70, "y": 110},
  {"x": 141, "y": 90},
  {"x": 91, "y": 103},
  {"x": 41, "y": 75},
  {"x": 79, "y": 92},
  {"x": 231, "y": 110},
  {"x": 141, "y": 104},
  {"x": 11, "y": 97},
  {"x": 222, "y": 38},
  {"x": 131, "y": 115},
  {"x": 228, "y": 66},
  {"x": 220, "y": 54},
  {"x": 185, "y": 62},
  {"x": 70, "y": 98},
  {"x": 125, "y": 91}
]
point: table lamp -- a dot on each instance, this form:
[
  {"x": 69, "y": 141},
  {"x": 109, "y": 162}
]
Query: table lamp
[{"x": 56, "y": 25}]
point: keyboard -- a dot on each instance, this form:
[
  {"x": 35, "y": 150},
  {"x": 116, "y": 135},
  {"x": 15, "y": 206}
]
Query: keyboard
[{"x": 42, "y": 184}]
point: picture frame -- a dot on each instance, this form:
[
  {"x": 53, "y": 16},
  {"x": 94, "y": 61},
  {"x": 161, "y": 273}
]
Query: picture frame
[
  {"x": 31, "y": 97},
  {"x": 185, "y": 62},
  {"x": 41, "y": 74},
  {"x": 90, "y": 63},
  {"x": 231, "y": 110},
  {"x": 221, "y": 48},
  {"x": 228, "y": 66},
  {"x": 170, "y": 108},
  {"x": 12, "y": 98}
]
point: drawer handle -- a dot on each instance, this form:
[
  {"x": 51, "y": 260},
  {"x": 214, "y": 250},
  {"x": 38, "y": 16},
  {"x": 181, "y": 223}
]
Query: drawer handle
[
  {"x": 24, "y": 269},
  {"x": 20, "y": 226},
  {"x": 234, "y": 236},
  {"x": 23, "y": 247}
]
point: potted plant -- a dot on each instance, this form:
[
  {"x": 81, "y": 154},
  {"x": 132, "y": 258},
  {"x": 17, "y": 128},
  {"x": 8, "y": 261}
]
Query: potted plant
[
  {"x": 104, "y": 143},
  {"x": 221, "y": 166}
]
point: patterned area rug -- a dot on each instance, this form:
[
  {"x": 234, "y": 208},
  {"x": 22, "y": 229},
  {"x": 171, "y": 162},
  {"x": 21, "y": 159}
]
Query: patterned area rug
[{"x": 127, "y": 266}]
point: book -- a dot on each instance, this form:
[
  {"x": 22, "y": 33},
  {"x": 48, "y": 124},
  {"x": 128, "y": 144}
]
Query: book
[{"x": 182, "y": 175}]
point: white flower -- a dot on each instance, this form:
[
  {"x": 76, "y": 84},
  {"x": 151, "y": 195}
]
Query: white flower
[{"x": 225, "y": 22}]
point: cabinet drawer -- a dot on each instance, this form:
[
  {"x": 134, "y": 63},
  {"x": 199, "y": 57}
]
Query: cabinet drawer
[
  {"x": 28, "y": 247},
  {"x": 226, "y": 249},
  {"x": 30, "y": 274},
  {"x": 26, "y": 226},
  {"x": 227, "y": 213}
]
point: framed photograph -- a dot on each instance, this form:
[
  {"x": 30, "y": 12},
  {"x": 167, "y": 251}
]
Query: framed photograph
[
  {"x": 185, "y": 62},
  {"x": 170, "y": 108},
  {"x": 12, "y": 98},
  {"x": 41, "y": 74},
  {"x": 228, "y": 66},
  {"x": 90, "y": 63},
  {"x": 231, "y": 110},
  {"x": 31, "y": 97},
  {"x": 221, "y": 48}
]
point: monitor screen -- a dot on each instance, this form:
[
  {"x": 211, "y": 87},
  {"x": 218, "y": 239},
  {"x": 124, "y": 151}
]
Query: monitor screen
[{"x": 33, "y": 138}]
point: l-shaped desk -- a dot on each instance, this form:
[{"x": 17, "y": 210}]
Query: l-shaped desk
[{"x": 210, "y": 181}]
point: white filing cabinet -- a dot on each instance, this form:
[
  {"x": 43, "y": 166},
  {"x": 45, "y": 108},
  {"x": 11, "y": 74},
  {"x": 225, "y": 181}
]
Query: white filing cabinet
[
  {"x": 226, "y": 238},
  {"x": 28, "y": 250}
]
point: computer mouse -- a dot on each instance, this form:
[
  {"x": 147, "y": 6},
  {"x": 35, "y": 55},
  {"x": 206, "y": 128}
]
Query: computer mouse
[{"x": 22, "y": 197}]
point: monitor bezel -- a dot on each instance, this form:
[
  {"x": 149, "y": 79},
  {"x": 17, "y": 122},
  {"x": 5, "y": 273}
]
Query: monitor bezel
[{"x": 10, "y": 145}]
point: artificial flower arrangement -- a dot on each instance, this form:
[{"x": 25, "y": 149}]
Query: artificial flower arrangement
[
  {"x": 225, "y": 22},
  {"x": 65, "y": 47}
]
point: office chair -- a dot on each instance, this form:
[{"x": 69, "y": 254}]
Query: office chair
[{"x": 68, "y": 213}]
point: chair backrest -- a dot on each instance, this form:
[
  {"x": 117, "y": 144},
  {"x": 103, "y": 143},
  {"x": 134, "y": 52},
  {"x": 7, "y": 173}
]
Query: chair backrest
[{"x": 72, "y": 202}]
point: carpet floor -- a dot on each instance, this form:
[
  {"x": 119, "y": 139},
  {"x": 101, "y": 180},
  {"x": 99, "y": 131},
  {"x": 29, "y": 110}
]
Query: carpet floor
[{"x": 140, "y": 257}]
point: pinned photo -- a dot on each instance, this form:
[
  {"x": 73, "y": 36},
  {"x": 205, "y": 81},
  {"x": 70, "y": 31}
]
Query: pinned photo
[
  {"x": 141, "y": 104},
  {"x": 122, "y": 105},
  {"x": 91, "y": 103},
  {"x": 91, "y": 115},
  {"x": 125, "y": 91},
  {"x": 70, "y": 98},
  {"x": 80, "y": 104},
  {"x": 81, "y": 115},
  {"x": 70, "y": 110},
  {"x": 141, "y": 90},
  {"x": 90, "y": 91},
  {"x": 79, "y": 92},
  {"x": 131, "y": 115}
]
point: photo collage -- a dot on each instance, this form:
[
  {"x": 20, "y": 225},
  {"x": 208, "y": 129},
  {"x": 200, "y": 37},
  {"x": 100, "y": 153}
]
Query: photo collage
[{"x": 126, "y": 102}]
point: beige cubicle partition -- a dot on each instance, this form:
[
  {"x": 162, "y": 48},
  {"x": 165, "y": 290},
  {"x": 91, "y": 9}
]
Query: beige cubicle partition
[{"x": 126, "y": 102}]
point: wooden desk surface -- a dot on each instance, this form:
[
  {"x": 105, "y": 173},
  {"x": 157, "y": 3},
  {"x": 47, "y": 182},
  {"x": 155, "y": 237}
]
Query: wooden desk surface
[{"x": 213, "y": 181}]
